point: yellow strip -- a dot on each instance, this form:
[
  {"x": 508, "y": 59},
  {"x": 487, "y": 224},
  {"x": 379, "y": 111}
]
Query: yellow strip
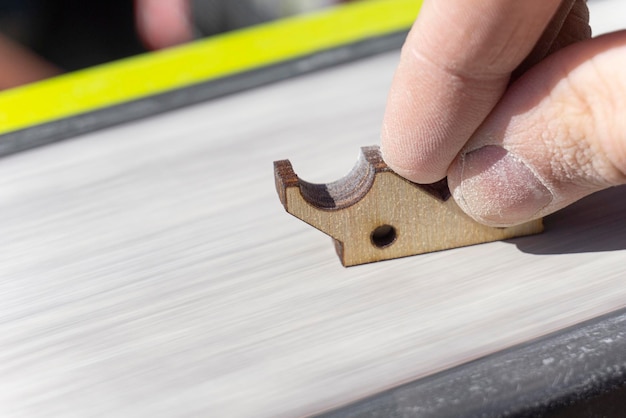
[{"x": 131, "y": 79}]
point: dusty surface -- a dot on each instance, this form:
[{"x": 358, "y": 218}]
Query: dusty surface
[{"x": 150, "y": 270}]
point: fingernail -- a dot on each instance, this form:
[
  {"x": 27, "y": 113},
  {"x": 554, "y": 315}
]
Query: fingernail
[{"x": 499, "y": 189}]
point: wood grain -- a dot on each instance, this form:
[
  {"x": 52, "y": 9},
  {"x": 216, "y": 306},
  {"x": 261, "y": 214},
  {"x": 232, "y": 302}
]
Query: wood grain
[
  {"x": 373, "y": 214},
  {"x": 149, "y": 270}
]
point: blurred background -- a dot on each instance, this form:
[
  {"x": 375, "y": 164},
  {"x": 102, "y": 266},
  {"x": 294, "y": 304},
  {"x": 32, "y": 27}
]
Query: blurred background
[{"x": 42, "y": 38}]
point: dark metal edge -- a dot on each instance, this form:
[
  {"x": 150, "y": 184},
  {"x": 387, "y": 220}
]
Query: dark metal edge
[
  {"x": 579, "y": 371},
  {"x": 55, "y": 131}
]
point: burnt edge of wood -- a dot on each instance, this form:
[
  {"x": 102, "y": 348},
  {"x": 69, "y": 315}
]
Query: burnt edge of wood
[
  {"x": 339, "y": 250},
  {"x": 284, "y": 177},
  {"x": 348, "y": 190},
  {"x": 440, "y": 189}
]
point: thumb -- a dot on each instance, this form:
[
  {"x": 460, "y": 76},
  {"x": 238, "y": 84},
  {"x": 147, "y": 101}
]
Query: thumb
[{"x": 557, "y": 135}]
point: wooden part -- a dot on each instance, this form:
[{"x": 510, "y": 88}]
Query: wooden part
[{"x": 373, "y": 214}]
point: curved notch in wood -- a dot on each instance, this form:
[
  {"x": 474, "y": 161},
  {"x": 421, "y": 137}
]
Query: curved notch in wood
[
  {"x": 336, "y": 195},
  {"x": 374, "y": 214}
]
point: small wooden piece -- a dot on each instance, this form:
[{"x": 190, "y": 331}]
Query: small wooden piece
[{"x": 373, "y": 214}]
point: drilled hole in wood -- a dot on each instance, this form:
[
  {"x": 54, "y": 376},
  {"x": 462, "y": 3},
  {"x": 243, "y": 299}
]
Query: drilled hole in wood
[{"x": 384, "y": 236}]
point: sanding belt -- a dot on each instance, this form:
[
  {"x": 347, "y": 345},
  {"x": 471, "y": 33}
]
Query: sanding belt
[{"x": 84, "y": 101}]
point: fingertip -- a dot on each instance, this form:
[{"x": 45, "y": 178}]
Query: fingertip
[
  {"x": 406, "y": 161},
  {"x": 497, "y": 188},
  {"x": 554, "y": 138}
]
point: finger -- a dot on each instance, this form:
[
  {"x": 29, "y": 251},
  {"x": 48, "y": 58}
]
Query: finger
[
  {"x": 569, "y": 25},
  {"x": 454, "y": 67},
  {"x": 163, "y": 23},
  {"x": 20, "y": 66},
  {"x": 557, "y": 135}
]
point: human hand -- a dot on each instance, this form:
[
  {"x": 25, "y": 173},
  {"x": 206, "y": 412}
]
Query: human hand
[
  {"x": 21, "y": 66},
  {"x": 512, "y": 151},
  {"x": 163, "y": 23}
]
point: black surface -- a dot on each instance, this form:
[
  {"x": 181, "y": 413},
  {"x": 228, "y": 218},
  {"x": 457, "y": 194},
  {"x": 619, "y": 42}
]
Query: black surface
[
  {"x": 579, "y": 372},
  {"x": 216, "y": 16},
  {"x": 73, "y": 34}
]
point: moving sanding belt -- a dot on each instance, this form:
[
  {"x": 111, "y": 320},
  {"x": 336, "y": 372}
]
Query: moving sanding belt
[{"x": 126, "y": 90}]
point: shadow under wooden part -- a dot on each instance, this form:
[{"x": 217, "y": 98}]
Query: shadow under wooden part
[{"x": 593, "y": 224}]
